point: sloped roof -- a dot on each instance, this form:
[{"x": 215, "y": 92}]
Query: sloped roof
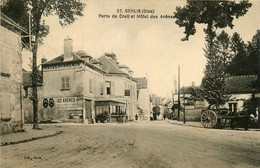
[
  {"x": 141, "y": 83},
  {"x": 76, "y": 58},
  {"x": 186, "y": 89},
  {"x": 95, "y": 61},
  {"x": 110, "y": 66},
  {"x": 123, "y": 66},
  {"x": 60, "y": 59},
  {"x": 11, "y": 25},
  {"x": 242, "y": 84},
  {"x": 82, "y": 53}
]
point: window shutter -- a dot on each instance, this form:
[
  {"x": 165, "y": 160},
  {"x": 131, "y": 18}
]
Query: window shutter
[
  {"x": 67, "y": 82},
  {"x": 112, "y": 87},
  {"x": 90, "y": 85},
  {"x": 101, "y": 88},
  {"x": 63, "y": 83}
]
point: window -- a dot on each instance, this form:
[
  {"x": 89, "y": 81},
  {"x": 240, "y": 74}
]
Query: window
[
  {"x": 90, "y": 86},
  {"x": 65, "y": 83},
  {"x": 232, "y": 107},
  {"x": 108, "y": 87},
  {"x": 25, "y": 92}
]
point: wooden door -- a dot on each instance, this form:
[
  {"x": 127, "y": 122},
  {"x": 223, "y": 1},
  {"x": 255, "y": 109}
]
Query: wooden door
[{"x": 88, "y": 110}]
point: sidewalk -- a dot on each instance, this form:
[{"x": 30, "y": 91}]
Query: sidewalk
[
  {"x": 199, "y": 125},
  {"x": 188, "y": 123},
  {"x": 29, "y": 135}
]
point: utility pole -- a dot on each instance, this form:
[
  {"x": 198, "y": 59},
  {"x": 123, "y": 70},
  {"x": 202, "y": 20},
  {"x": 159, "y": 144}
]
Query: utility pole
[
  {"x": 258, "y": 76},
  {"x": 179, "y": 103},
  {"x": 184, "y": 119}
]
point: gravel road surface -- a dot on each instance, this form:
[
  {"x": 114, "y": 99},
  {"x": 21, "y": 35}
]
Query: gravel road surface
[{"x": 136, "y": 145}]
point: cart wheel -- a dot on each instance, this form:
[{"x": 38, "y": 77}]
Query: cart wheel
[{"x": 209, "y": 119}]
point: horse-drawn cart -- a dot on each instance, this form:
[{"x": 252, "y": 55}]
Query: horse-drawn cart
[{"x": 217, "y": 118}]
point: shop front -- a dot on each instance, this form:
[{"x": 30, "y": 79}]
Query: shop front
[{"x": 110, "y": 111}]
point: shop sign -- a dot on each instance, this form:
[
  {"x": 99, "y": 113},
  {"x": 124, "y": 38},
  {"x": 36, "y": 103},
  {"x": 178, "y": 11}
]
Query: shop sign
[{"x": 68, "y": 102}]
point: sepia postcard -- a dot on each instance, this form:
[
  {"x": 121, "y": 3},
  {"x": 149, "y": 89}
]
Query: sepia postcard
[{"x": 130, "y": 83}]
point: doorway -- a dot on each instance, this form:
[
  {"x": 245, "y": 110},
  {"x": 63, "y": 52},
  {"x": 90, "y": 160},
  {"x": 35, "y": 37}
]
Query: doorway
[{"x": 88, "y": 110}]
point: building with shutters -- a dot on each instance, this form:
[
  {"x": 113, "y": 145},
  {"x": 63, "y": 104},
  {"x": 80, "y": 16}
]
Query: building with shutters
[
  {"x": 11, "y": 75},
  {"x": 241, "y": 88},
  {"x": 87, "y": 90}
]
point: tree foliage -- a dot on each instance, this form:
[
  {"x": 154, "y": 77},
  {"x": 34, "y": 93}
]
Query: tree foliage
[
  {"x": 250, "y": 106},
  {"x": 215, "y": 14},
  {"x": 156, "y": 112},
  {"x": 66, "y": 10},
  {"x": 245, "y": 61},
  {"x": 196, "y": 93},
  {"x": 215, "y": 73}
]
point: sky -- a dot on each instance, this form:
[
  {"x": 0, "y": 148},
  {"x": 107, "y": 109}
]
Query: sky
[{"x": 149, "y": 47}]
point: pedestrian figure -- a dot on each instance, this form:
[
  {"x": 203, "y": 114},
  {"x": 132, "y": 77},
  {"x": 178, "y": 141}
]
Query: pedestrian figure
[
  {"x": 164, "y": 116},
  {"x": 136, "y": 117}
]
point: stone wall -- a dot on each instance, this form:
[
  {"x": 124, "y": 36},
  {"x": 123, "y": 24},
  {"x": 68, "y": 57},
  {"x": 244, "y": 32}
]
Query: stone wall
[
  {"x": 11, "y": 80},
  {"x": 191, "y": 115}
]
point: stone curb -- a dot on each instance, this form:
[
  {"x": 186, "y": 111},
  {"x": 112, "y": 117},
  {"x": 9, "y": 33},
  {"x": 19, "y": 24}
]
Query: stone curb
[
  {"x": 30, "y": 139},
  {"x": 181, "y": 124}
]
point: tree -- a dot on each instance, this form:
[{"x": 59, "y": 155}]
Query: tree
[
  {"x": 156, "y": 112},
  {"x": 245, "y": 61},
  {"x": 196, "y": 93},
  {"x": 215, "y": 73},
  {"x": 253, "y": 60},
  {"x": 66, "y": 11},
  {"x": 239, "y": 63},
  {"x": 215, "y": 14}
]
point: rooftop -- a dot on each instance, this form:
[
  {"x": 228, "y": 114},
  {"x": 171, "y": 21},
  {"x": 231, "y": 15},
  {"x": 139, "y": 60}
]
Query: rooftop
[
  {"x": 110, "y": 66},
  {"x": 242, "y": 84},
  {"x": 11, "y": 25},
  {"x": 141, "y": 83}
]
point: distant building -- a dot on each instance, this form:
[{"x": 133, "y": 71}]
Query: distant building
[
  {"x": 27, "y": 93},
  {"x": 241, "y": 88},
  {"x": 11, "y": 75},
  {"x": 143, "y": 98},
  {"x": 187, "y": 99},
  {"x": 79, "y": 88},
  {"x": 157, "y": 101}
]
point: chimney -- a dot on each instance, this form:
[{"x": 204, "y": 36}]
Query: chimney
[
  {"x": 112, "y": 56},
  {"x": 43, "y": 60},
  {"x": 68, "y": 49},
  {"x": 193, "y": 84}
]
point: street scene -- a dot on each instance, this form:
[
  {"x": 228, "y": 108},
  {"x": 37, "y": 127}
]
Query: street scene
[{"x": 139, "y": 84}]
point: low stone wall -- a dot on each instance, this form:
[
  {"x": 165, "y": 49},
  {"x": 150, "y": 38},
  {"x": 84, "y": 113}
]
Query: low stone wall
[
  {"x": 191, "y": 115},
  {"x": 7, "y": 127},
  {"x": 52, "y": 115}
]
